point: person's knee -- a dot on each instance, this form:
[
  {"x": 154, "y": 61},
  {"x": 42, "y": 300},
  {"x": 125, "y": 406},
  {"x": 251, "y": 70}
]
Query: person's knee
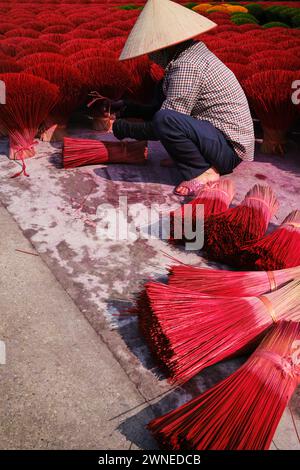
[{"x": 164, "y": 121}]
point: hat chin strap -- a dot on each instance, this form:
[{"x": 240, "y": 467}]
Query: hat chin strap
[{"x": 161, "y": 57}]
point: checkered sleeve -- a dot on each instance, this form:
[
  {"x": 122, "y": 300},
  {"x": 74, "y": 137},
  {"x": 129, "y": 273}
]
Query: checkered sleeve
[{"x": 182, "y": 84}]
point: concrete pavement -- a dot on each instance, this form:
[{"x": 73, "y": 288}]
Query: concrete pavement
[{"x": 61, "y": 387}]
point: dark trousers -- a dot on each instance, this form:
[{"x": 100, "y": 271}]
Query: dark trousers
[{"x": 194, "y": 145}]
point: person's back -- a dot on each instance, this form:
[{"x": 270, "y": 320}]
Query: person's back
[{"x": 212, "y": 93}]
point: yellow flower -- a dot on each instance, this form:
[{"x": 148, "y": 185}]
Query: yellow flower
[
  {"x": 218, "y": 8},
  {"x": 236, "y": 9},
  {"x": 202, "y": 7}
]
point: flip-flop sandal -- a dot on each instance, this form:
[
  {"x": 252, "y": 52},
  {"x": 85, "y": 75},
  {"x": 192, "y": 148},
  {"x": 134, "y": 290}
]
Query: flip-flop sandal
[{"x": 193, "y": 187}]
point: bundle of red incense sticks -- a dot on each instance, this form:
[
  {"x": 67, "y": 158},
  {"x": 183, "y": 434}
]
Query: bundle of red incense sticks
[
  {"x": 230, "y": 283},
  {"x": 241, "y": 412},
  {"x": 278, "y": 250},
  {"x": 214, "y": 198},
  {"x": 80, "y": 152},
  {"x": 188, "y": 331},
  {"x": 227, "y": 233}
]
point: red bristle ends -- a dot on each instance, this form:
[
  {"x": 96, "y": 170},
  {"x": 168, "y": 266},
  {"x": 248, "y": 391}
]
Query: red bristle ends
[
  {"x": 32, "y": 60},
  {"x": 79, "y": 152},
  {"x": 70, "y": 83},
  {"x": 188, "y": 331},
  {"x": 215, "y": 198},
  {"x": 107, "y": 76},
  {"x": 75, "y": 45},
  {"x": 284, "y": 62},
  {"x": 269, "y": 95},
  {"x": 92, "y": 52},
  {"x": 32, "y": 46},
  {"x": 9, "y": 65},
  {"x": 241, "y": 412},
  {"x": 22, "y": 32},
  {"x": 277, "y": 250},
  {"x": 227, "y": 233},
  {"x": 230, "y": 283}
]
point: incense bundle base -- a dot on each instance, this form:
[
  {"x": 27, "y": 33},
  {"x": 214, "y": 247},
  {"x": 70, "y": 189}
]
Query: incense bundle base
[
  {"x": 103, "y": 124},
  {"x": 54, "y": 133},
  {"x": 274, "y": 142},
  {"x": 29, "y": 100},
  {"x": 243, "y": 411},
  {"x": 20, "y": 154}
]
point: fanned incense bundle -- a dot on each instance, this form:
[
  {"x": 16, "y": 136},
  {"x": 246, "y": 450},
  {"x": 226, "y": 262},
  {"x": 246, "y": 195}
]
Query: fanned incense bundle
[
  {"x": 59, "y": 28},
  {"x": 241, "y": 412},
  {"x": 9, "y": 65},
  {"x": 241, "y": 71},
  {"x": 215, "y": 197},
  {"x": 269, "y": 95},
  {"x": 283, "y": 62},
  {"x": 22, "y": 32},
  {"x": 70, "y": 83},
  {"x": 75, "y": 45},
  {"x": 188, "y": 331},
  {"x": 80, "y": 152},
  {"x": 230, "y": 283},
  {"x": 29, "y": 100},
  {"x": 277, "y": 250},
  {"x": 108, "y": 77},
  {"x": 32, "y": 46},
  {"x": 226, "y": 233},
  {"x": 87, "y": 54},
  {"x": 38, "y": 58},
  {"x": 56, "y": 38},
  {"x": 83, "y": 33}
]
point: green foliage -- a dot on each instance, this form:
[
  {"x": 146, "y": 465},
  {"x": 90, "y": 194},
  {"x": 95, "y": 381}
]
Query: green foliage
[
  {"x": 245, "y": 16},
  {"x": 281, "y": 13},
  {"x": 274, "y": 24},
  {"x": 274, "y": 15},
  {"x": 256, "y": 10},
  {"x": 129, "y": 7},
  {"x": 296, "y": 21},
  {"x": 243, "y": 20}
]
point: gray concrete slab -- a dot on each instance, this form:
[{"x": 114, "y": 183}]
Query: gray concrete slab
[{"x": 61, "y": 388}]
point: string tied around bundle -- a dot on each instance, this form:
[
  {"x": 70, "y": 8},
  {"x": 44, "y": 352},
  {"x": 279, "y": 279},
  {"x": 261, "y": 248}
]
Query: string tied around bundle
[
  {"x": 98, "y": 97},
  {"x": 272, "y": 280},
  {"x": 293, "y": 224},
  {"x": 289, "y": 365},
  {"x": 268, "y": 304},
  {"x": 252, "y": 198},
  {"x": 23, "y": 171}
]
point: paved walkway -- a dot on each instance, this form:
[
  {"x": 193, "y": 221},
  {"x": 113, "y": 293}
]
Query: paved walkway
[{"x": 61, "y": 387}]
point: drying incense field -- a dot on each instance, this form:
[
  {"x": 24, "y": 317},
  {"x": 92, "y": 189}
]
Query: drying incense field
[{"x": 53, "y": 56}]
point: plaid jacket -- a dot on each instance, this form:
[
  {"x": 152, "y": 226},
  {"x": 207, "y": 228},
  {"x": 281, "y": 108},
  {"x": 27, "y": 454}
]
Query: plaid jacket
[{"x": 197, "y": 83}]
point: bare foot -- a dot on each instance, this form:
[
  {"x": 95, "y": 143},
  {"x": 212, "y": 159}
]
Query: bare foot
[{"x": 190, "y": 188}]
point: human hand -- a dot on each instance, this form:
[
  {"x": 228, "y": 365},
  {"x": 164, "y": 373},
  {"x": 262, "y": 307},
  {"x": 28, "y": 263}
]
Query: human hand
[{"x": 120, "y": 128}]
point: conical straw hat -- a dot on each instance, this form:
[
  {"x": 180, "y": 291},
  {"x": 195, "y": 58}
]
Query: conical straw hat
[{"x": 163, "y": 23}]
